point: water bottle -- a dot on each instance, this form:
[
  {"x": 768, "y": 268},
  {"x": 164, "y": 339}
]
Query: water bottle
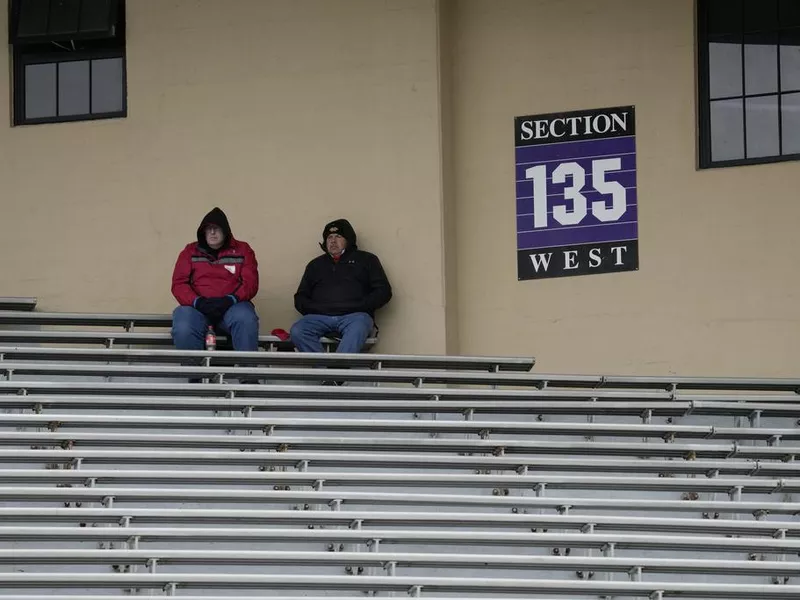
[{"x": 211, "y": 338}]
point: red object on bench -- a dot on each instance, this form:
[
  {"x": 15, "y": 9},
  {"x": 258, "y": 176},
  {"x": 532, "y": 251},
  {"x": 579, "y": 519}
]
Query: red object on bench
[{"x": 281, "y": 334}]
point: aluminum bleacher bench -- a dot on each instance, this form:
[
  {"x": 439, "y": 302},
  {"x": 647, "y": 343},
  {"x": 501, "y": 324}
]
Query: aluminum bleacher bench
[
  {"x": 670, "y": 382},
  {"x": 305, "y": 459},
  {"x": 285, "y": 359},
  {"x": 17, "y": 303},
  {"x": 234, "y": 390},
  {"x": 128, "y": 321},
  {"x": 231, "y": 390},
  {"x": 398, "y": 560},
  {"x": 382, "y": 375},
  {"x": 397, "y": 536},
  {"x": 131, "y": 338},
  {"x": 409, "y": 481},
  {"x": 311, "y": 442},
  {"x": 413, "y": 586},
  {"x": 338, "y": 498},
  {"x": 370, "y": 519},
  {"x": 496, "y": 370},
  {"x": 65, "y": 422},
  {"x": 548, "y": 403},
  {"x": 109, "y": 338},
  {"x": 222, "y": 372},
  {"x": 428, "y": 588}
]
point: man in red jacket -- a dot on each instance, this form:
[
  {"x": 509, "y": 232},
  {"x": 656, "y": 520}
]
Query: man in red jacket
[{"x": 214, "y": 280}]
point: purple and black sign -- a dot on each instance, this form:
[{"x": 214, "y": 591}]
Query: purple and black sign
[{"x": 576, "y": 193}]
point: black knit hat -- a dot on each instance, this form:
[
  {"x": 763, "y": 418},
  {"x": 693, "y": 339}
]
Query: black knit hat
[{"x": 341, "y": 227}]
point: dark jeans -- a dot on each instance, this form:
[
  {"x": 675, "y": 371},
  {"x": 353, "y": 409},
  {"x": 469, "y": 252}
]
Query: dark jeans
[
  {"x": 240, "y": 321},
  {"x": 354, "y": 329}
]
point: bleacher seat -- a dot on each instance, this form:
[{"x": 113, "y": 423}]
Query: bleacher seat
[
  {"x": 423, "y": 476},
  {"x": 17, "y": 303},
  {"x": 81, "y": 329}
]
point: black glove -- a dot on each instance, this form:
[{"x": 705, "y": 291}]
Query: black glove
[
  {"x": 214, "y": 308},
  {"x": 223, "y": 304},
  {"x": 205, "y": 305}
]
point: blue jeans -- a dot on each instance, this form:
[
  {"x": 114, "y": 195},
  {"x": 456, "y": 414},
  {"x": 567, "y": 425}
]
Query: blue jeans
[
  {"x": 240, "y": 321},
  {"x": 354, "y": 329}
]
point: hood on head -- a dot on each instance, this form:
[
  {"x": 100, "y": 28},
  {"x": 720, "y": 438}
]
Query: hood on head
[
  {"x": 218, "y": 218},
  {"x": 343, "y": 228}
]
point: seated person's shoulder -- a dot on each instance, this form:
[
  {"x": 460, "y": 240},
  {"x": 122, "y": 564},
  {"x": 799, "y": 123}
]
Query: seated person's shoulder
[
  {"x": 366, "y": 256},
  {"x": 241, "y": 246}
]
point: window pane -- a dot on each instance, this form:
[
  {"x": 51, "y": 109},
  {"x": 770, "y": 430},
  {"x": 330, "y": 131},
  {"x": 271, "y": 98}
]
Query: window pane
[
  {"x": 96, "y": 16},
  {"x": 762, "y": 127},
  {"x": 790, "y": 60},
  {"x": 760, "y": 15},
  {"x": 790, "y": 109},
  {"x": 73, "y": 88},
  {"x": 64, "y": 16},
  {"x": 33, "y": 18},
  {"x": 790, "y": 13},
  {"x": 725, "y": 69},
  {"x": 40, "y": 91},
  {"x": 760, "y": 68},
  {"x": 727, "y": 130},
  {"x": 107, "y": 85},
  {"x": 724, "y": 17}
]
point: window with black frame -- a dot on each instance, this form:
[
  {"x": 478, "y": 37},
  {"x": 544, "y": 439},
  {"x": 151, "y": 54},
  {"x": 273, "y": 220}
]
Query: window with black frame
[
  {"x": 68, "y": 60},
  {"x": 749, "y": 81}
]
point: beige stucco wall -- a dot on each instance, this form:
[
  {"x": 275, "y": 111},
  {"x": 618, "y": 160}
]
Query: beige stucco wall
[
  {"x": 285, "y": 113},
  {"x": 398, "y": 114},
  {"x": 717, "y": 291}
]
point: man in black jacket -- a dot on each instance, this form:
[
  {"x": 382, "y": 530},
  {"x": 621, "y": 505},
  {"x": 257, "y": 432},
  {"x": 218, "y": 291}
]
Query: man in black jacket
[{"x": 339, "y": 292}]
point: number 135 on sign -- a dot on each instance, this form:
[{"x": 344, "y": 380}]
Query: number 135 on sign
[{"x": 574, "y": 215}]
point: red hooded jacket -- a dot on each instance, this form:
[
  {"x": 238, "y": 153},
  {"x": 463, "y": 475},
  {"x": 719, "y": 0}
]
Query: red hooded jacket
[{"x": 200, "y": 271}]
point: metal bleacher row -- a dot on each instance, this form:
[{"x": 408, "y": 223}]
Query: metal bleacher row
[
  {"x": 22, "y": 320},
  {"x": 423, "y": 476}
]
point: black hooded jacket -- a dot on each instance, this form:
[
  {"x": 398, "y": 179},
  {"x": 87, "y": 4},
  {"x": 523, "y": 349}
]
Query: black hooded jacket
[{"x": 356, "y": 283}]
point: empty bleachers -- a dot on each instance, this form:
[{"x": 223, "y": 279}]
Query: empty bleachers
[{"x": 422, "y": 476}]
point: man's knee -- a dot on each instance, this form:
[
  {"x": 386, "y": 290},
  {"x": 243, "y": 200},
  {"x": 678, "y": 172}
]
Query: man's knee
[
  {"x": 185, "y": 320},
  {"x": 298, "y": 329},
  {"x": 242, "y": 315},
  {"x": 361, "y": 322}
]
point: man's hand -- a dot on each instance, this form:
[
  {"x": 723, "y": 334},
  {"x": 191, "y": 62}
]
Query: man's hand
[
  {"x": 204, "y": 305},
  {"x": 214, "y": 308},
  {"x": 223, "y": 304}
]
